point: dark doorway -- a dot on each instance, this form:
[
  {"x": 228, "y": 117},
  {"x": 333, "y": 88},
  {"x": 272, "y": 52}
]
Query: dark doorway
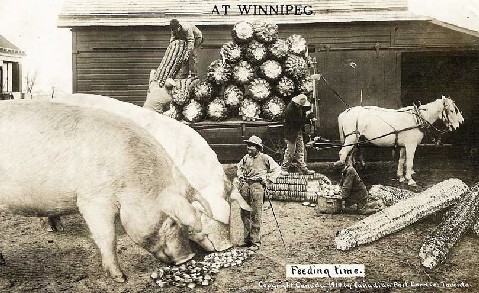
[
  {"x": 370, "y": 75},
  {"x": 427, "y": 76}
]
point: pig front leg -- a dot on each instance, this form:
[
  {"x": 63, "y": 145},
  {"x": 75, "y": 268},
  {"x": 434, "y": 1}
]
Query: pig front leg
[{"x": 100, "y": 215}]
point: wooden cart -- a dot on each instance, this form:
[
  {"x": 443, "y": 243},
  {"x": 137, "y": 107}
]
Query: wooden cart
[{"x": 226, "y": 138}]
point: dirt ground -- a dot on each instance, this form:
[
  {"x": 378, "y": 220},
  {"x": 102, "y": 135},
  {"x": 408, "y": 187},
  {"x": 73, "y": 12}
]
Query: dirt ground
[{"x": 39, "y": 261}]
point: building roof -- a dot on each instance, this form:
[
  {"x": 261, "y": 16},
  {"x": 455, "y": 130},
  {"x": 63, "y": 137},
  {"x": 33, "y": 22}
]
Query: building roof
[
  {"x": 7, "y": 47},
  {"x": 77, "y": 13}
]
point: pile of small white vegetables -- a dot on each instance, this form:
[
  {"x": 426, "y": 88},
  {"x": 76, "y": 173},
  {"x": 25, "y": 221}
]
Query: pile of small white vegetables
[{"x": 200, "y": 273}]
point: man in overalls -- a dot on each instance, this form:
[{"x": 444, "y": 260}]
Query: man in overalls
[{"x": 254, "y": 171}]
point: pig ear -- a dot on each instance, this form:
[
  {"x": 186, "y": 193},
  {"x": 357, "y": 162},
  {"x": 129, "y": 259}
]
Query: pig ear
[
  {"x": 182, "y": 211},
  {"x": 194, "y": 195}
]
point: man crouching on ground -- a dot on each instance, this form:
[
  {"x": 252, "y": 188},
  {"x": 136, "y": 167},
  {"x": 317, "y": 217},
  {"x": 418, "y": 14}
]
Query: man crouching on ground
[
  {"x": 254, "y": 171},
  {"x": 354, "y": 192}
]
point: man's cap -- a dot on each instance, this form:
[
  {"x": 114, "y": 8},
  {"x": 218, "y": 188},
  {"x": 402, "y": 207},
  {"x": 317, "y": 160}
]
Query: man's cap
[
  {"x": 255, "y": 141},
  {"x": 174, "y": 23},
  {"x": 301, "y": 100}
]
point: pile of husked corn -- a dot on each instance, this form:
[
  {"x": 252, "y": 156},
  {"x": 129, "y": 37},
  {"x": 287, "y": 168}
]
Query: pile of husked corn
[{"x": 297, "y": 187}]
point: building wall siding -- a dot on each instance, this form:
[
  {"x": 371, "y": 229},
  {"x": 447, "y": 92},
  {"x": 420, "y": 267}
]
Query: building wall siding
[{"x": 117, "y": 61}]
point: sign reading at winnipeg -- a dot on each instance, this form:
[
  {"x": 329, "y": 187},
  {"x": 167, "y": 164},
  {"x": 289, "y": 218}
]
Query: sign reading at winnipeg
[{"x": 256, "y": 9}]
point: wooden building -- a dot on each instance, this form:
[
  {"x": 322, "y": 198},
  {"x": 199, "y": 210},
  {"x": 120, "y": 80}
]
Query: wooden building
[
  {"x": 374, "y": 49},
  {"x": 10, "y": 67}
]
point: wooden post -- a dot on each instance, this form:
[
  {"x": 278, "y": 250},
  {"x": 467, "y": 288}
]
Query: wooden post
[{"x": 315, "y": 98}]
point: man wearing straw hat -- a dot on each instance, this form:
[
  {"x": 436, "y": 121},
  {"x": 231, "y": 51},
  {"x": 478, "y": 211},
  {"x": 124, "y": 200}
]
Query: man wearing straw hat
[
  {"x": 254, "y": 171},
  {"x": 295, "y": 117}
]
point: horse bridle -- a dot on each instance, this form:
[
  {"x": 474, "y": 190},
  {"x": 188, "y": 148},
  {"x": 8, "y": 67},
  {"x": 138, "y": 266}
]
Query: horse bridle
[
  {"x": 445, "y": 116},
  {"x": 425, "y": 125}
]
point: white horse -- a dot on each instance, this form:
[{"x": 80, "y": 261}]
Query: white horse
[{"x": 388, "y": 127}]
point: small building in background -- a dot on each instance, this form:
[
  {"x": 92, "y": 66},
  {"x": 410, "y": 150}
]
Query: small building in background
[{"x": 10, "y": 69}]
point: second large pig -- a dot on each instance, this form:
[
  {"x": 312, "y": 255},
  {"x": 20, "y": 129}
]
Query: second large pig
[{"x": 58, "y": 159}]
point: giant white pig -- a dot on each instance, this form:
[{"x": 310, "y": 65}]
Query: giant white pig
[
  {"x": 193, "y": 156},
  {"x": 58, "y": 159}
]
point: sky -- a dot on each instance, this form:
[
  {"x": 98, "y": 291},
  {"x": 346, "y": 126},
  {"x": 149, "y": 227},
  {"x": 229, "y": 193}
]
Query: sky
[{"x": 31, "y": 26}]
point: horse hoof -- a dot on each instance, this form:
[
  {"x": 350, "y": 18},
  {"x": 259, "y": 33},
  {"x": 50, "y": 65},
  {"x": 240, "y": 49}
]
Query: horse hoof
[
  {"x": 411, "y": 183},
  {"x": 402, "y": 179}
]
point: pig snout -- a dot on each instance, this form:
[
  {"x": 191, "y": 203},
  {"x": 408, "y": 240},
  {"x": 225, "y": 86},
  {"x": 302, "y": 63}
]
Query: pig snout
[
  {"x": 178, "y": 247},
  {"x": 170, "y": 243}
]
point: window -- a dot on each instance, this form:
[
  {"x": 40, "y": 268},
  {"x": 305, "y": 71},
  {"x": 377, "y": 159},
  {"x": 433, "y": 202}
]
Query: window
[{"x": 9, "y": 77}]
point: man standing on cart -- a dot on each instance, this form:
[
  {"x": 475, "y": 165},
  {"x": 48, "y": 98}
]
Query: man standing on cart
[
  {"x": 193, "y": 37},
  {"x": 297, "y": 114}
]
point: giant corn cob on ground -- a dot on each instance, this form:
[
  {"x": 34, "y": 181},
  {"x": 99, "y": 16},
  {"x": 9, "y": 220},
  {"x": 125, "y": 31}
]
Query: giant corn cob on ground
[
  {"x": 401, "y": 214},
  {"x": 456, "y": 221},
  {"x": 388, "y": 194}
]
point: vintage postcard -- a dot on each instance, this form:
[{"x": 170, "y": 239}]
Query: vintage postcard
[{"x": 235, "y": 146}]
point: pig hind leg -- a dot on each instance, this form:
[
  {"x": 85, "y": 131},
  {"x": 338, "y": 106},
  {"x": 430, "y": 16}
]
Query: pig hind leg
[
  {"x": 100, "y": 215},
  {"x": 52, "y": 224}
]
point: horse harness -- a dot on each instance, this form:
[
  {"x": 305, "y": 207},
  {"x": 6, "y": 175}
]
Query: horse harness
[{"x": 421, "y": 123}]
